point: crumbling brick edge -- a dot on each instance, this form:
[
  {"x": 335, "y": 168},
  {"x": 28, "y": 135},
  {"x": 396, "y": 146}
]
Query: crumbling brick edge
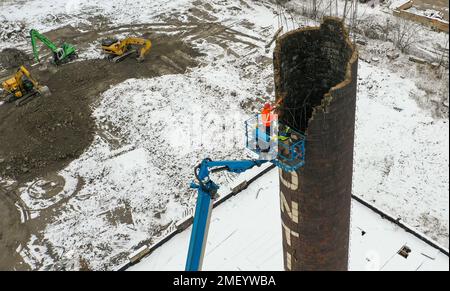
[{"x": 348, "y": 74}]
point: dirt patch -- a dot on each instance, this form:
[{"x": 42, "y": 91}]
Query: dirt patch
[
  {"x": 49, "y": 132},
  {"x": 202, "y": 14},
  {"x": 11, "y": 231},
  {"x": 120, "y": 215},
  {"x": 12, "y": 58}
]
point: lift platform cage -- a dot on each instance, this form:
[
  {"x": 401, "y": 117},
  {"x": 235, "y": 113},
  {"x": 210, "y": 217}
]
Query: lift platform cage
[{"x": 279, "y": 143}]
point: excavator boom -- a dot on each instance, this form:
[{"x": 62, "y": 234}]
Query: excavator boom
[
  {"x": 36, "y": 35},
  {"x": 61, "y": 54},
  {"x": 119, "y": 50},
  {"x": 145, "y": 43}
]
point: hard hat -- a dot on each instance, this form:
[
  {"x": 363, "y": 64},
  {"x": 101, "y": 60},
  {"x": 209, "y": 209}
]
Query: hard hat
[{"x": 267, "y": 106}]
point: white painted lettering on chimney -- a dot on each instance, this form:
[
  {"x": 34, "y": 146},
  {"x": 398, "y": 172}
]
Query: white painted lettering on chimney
[
  {"x": 292, "y": 211},
  {"x": 288, "y": 233},
  {"x": 293, "y": 185}
]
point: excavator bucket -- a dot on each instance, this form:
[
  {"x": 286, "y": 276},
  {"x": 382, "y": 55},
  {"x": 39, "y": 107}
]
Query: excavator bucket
[{"x": 44, "y": 91}]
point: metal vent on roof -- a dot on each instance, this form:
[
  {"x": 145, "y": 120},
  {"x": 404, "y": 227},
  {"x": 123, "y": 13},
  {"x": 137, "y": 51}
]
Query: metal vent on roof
[{"x": 404, "y": 251}]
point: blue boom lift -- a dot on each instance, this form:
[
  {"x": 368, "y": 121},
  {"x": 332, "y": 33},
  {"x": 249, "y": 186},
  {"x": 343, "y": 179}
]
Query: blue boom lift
[{"x": 284, "y": 147}]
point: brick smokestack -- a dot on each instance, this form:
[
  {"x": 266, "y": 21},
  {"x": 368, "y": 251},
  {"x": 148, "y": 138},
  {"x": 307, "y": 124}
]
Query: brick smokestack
[{"x": 315, "y": 76}]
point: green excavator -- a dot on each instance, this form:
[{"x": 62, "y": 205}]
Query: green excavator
[{"x": 61, "y": 55}]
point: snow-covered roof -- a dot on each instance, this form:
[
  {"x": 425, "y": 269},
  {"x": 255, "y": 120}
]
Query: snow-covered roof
[{"x": 245, "y": 234}]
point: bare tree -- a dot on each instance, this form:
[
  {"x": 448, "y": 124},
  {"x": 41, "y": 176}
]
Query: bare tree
[
  {"x": 344, "y": 14},
  {"x": 441, "y": 54},
  {"x": 314, "y": 7},
  {"x": 404, "y": 34},
  {"x": 315, "y": 10}
]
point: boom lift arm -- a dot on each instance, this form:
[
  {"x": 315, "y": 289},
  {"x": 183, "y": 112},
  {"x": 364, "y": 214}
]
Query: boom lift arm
[
  {"x": 207, "y": 189},
  {"x": 61, "y": 54},
  {"x": 281, "y": 145}
]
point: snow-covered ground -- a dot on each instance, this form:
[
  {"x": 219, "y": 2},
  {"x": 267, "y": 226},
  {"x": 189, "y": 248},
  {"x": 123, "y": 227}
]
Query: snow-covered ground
[
  {"x": 164, "y": 131},
  {"x": 401, "y": 152},
  {"x": 48, "y": 15},
  {"x": 134, "y": 177}
]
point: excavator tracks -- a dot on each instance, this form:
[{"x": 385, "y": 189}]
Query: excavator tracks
[
  {"x": 118, "y": 59},
  {"x": 27, "y": 98},
  {"x": 69, "y": 59}
]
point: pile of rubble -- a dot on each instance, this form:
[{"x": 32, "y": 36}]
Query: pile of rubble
[
  {"x": 12, "y": 31},
  {"x": 12, "y": 58}
]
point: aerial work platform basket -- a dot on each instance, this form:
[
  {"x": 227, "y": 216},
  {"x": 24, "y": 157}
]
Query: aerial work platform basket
[{"x": 279, "y": 143}]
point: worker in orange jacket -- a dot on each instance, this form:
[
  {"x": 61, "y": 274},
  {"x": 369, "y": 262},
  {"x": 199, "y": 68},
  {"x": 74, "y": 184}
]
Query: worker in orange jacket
[{"x": 267, "y": 116}]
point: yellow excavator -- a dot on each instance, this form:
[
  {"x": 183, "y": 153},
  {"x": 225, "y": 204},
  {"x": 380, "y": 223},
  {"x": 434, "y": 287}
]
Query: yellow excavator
[
  {"x": 118, "y": 50},
  {"x": 21, "y": 88}
]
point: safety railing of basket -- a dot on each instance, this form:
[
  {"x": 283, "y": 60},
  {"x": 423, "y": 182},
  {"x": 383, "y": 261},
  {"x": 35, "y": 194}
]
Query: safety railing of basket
[{"x": 290, "y": 146}]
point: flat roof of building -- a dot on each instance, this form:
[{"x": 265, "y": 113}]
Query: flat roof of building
[{"x": 245, "y": 234}]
